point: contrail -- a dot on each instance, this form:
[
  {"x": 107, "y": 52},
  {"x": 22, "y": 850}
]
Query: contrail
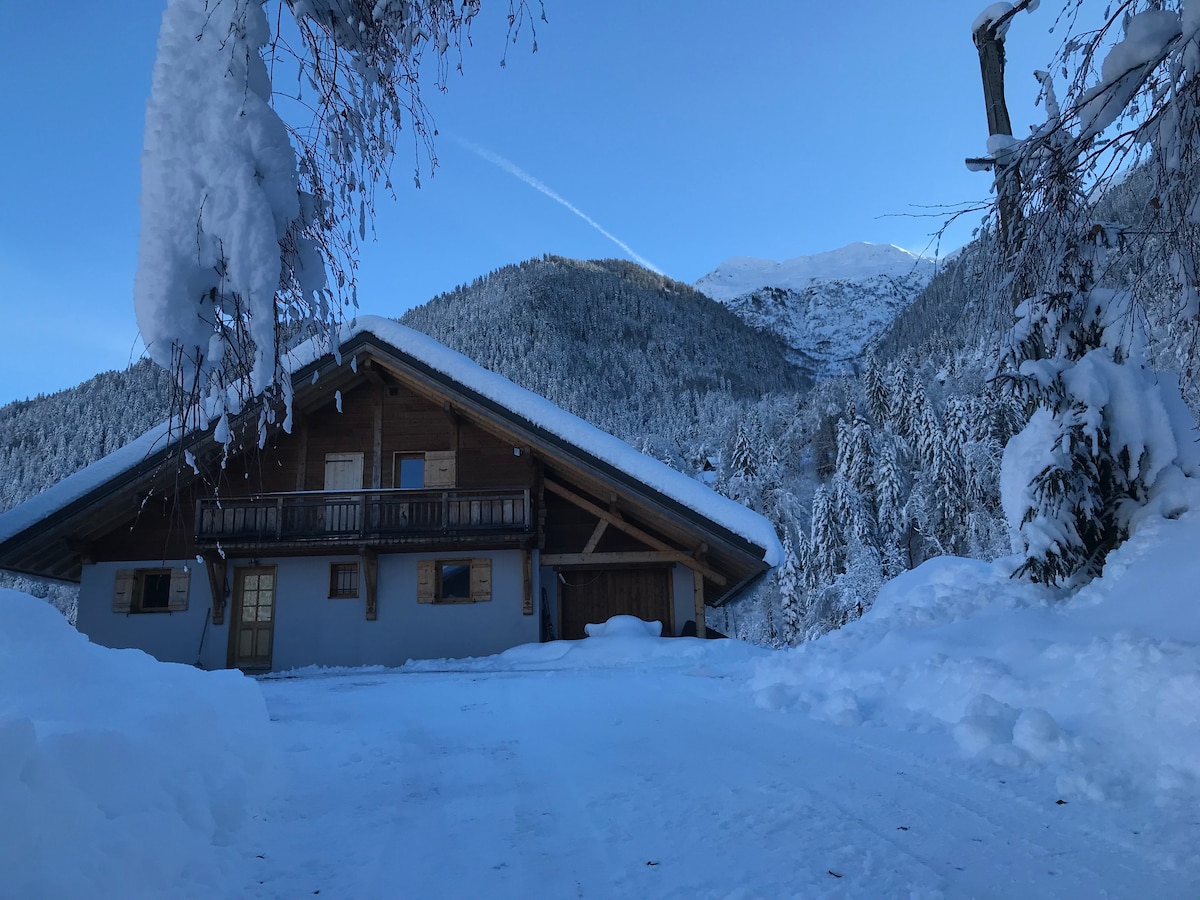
[{"x": 513, "y": 169}]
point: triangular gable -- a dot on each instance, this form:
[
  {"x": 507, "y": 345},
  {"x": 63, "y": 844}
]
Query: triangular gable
[{"x": 596, "y": 456}]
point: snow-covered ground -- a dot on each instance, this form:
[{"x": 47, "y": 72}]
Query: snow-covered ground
[
  {"x": 970, "y": 736},
  {"x": 121, "y": 776}
]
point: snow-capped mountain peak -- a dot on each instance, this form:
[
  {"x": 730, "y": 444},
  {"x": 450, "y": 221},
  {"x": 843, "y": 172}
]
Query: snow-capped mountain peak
[
  {"x": 828, "y": 307},
  {"x": 854, "y": 262}
]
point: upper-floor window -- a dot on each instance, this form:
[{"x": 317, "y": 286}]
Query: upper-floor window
[
  {"x": 419, "y": 471},
  {"x": 409, "y": 472}
]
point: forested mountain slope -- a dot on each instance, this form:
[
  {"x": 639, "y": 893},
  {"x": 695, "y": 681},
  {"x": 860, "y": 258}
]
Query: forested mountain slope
[
  {"x": 45, "y": 439},
  {"x": 635, "y": 353}
]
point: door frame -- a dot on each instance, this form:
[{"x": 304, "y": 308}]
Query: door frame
[{"x": 235, "y": 612}]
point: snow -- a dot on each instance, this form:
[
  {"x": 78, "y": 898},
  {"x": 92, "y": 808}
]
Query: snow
[
  {"x": 219, "y": 190},
  {"x": 1097, "y": 693},
  {"x": 829, "y": 307},
  {"x": 121, "y": 776},
  {"x": 859, "y": 261},
  {"x": 990, "y": 14},
  {"x": 970, "y": 735},
  {"x": 80, "y": 483},
  {"x": 623, "y": 627},
  {"x": 1147, "y": 38},
  {"x": 537, "y": 411}
]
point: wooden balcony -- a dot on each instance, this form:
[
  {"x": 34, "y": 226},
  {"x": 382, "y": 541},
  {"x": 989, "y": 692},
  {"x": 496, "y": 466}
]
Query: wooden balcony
[{"x": 355, "y": 518}]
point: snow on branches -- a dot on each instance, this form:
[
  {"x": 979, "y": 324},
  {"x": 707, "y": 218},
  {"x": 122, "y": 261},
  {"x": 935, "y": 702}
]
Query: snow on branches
[
  {"x": 254, "y": 199},
  {"x": 1108, "y": 438}
]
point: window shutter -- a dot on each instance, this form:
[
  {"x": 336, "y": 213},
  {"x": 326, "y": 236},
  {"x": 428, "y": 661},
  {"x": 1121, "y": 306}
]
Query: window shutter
[
  {"x": 481, "y": 580},
  {"x": 180, "y": 582},
  {"x": 440, "y": 469},
  {"x": 426, "y": 580},
  {"x": 123, "y": 592}
]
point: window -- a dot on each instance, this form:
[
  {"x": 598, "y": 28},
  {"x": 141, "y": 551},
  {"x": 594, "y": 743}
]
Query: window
[
  {"x": 454, "y": 580},
  {"x": 151, "y": 590},
  {"x": 409, "y": 471},
  {"x": 423, "y": 471},
  {"x": 343, "y": 580}
]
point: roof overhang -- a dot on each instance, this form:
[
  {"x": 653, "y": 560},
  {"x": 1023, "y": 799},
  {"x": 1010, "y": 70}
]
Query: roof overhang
[{"x": 53, "y": 545}]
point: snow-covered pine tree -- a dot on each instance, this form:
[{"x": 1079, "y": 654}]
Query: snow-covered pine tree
[
  {"x": 827, "y": 545},
  {"x": 791, "y": 606},
  {"x": 876, "y": 394},
  {"x": 1107, "y": 436}
]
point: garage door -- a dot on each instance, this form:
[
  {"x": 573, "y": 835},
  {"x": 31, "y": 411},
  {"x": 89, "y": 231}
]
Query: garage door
[{"x": 595, "y": 595}]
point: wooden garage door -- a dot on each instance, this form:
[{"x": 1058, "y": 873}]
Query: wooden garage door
[{"x": 594, "y": 595}]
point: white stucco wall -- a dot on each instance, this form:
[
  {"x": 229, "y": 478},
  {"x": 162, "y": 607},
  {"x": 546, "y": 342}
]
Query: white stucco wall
[
  {"x": 169, "y": 636},
  {"x": 683, "y": 595},
  {"x": 311, "y": 628}
]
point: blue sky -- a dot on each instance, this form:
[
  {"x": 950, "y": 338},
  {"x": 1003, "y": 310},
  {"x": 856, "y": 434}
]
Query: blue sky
[{"x": 691, "y": 132}]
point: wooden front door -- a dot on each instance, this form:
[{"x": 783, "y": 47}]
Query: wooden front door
[
  {"x": 251, "y": 633},
  {"x": 595, "y": 595}
]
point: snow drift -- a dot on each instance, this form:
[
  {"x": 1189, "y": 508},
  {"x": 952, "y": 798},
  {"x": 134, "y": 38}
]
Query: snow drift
[
  {"x": 120, "y": 775},
  {"x": 1101, "y": 690}
]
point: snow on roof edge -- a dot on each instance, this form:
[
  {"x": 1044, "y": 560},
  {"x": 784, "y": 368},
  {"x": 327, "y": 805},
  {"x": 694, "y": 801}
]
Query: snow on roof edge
[
  {"x": 78, "y": 484},
  {"x": 582, "y": 435},
  {"x": 535, "y": 409}
]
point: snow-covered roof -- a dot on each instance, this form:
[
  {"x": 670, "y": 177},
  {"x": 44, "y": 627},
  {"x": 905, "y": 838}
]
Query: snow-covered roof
[
  {"x": 541, "y": 413},
  {"x": 86, "y": 480},
  {"x": 536, "y": 410}
]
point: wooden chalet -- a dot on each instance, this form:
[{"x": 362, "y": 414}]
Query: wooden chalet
[{"x": 420, "y": 507}]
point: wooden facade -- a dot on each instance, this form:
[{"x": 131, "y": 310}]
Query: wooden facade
[{"x": 387, "y": 456}]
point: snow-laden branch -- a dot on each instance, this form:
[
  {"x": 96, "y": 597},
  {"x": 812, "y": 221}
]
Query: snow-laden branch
[{"x": 254, "y": 201}]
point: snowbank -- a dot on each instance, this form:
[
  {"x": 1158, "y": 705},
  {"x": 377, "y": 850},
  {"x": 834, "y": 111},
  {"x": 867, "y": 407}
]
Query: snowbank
[
  {"x": 623, "y": 626},
  {"x": 1101, "y": 690},
  {"x": 120, "y": 776},
  {"x": 621, "y": 642}
]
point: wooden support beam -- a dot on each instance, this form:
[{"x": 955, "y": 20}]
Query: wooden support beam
[
  {"x": 541, "y": 504},
  {"x": 596, "y": 535},
  {"x": 527, "y": 593},
  {"x": 377, "y": 440},
  {"x": 216, "y": 567},
  {"x": 301, "y": 453},
  {"x": 369, "y": 368},
  {"x": 698, "y": 597},
  {"x": 666, "y": 553},
  {"x": 631, "y": 557},
  {"x": 605, "y": 516},
  {"x": 370, "y": 565}
]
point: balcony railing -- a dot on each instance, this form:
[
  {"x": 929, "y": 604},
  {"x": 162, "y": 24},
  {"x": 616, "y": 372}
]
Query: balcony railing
[{"x": 360, "y": 516}]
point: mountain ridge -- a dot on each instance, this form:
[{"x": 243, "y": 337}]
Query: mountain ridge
[{"x": 830, "y": 307}]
